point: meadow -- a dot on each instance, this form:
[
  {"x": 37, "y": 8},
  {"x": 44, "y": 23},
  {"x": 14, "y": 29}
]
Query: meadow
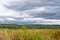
[{"x": 30, "y": 34}]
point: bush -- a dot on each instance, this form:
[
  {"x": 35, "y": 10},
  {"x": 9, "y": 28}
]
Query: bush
[{"x": 23, "y": 27}]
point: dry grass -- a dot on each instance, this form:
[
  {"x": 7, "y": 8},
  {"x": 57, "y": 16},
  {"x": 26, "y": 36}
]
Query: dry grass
[{"x": 30, "y": 34}]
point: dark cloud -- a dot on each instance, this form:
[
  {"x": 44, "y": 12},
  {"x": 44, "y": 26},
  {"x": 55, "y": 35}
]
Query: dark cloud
[
  {"x": 49, "y": 15},
  {"x": 30, "y": 4}
]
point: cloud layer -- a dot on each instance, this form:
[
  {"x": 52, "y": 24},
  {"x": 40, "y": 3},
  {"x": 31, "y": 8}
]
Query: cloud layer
[{"x": 30, "y": 11}]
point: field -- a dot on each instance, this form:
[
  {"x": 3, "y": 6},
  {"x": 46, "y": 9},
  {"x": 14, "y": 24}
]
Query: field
[{"x": 29, "y": 34}]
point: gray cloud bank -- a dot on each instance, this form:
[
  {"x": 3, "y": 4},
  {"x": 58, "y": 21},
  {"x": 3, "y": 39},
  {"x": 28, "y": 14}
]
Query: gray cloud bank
[{"x": 30, "y": 11}]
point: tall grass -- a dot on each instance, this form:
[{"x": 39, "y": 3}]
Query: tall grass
[{"x": 30, "y": 34}]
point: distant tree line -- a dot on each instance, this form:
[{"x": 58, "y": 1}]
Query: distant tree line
[{"x": 14, "y": 26}]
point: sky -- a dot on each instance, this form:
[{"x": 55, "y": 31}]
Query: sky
[{"x": 30, "y": 12}]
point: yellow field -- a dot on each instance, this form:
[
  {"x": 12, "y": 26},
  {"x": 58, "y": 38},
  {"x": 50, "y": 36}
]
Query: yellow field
[{"x": 30, "y": 34}]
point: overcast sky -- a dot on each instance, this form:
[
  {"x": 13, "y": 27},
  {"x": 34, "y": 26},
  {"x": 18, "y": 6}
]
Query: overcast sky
[{"x": 30, "y": 11}]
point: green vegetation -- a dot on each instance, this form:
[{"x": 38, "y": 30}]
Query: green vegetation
[{"x": 14, "y": 26}]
